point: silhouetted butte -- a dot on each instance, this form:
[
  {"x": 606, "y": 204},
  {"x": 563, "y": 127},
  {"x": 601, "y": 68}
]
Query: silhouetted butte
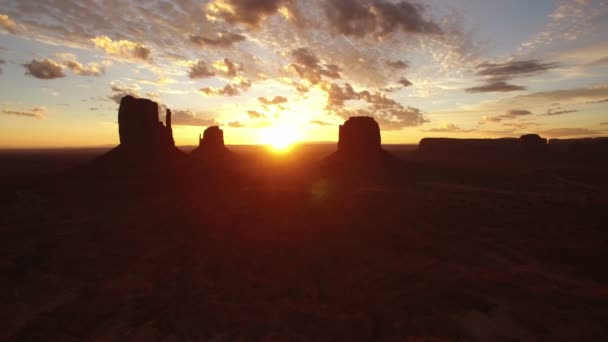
[
  {"x": 359, "y": 143},
  {"x": 211, "y": 147}
]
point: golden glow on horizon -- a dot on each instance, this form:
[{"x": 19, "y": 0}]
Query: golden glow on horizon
[{"x": 281, "y": 137}]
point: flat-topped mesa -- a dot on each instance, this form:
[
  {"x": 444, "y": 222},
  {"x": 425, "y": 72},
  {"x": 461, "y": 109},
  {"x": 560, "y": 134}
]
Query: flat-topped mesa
[
  {"x": 359, "y": 135},
  {"x": 532, "y": 141},
  {"x": 139, "y": 127},
  {"x": 527, "y": 142}
]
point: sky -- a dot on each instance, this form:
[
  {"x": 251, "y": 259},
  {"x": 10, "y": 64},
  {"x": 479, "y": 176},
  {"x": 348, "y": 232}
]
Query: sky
[{"x": 300, "y": 68}]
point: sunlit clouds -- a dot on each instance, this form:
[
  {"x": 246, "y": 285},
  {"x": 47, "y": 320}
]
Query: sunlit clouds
[{"x": 419, "y": 68}]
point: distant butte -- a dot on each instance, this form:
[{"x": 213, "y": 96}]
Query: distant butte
[
  {"x": 359, "y": 142},
  {"x": 211, "y": 146}
]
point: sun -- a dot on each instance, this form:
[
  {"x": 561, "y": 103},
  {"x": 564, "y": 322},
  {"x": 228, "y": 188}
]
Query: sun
[{"x": 281, "y": 137}]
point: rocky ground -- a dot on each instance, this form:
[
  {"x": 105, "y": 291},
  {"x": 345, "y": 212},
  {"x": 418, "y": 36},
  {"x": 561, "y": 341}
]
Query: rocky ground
[{"x": 287, "y": 249}]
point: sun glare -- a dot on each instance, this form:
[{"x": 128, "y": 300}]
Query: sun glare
[{"x": 281, "y": 138}]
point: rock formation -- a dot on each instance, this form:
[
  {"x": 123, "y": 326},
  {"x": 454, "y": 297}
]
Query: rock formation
[
  {"x": 359, "y": 143},
  {"x": 139, "y": 127},
  {"x": 532, "y": 142},
  {"x": 359, "y": 135},
  {"x": 146, "y": 144},
  {"x": 211, "y": 146},
  {"x": 529, "y": 148}
]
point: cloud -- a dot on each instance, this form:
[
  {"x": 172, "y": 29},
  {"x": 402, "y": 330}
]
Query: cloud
[
  {"x": 122, "y": 48},
  {"x": 255, "y": 114},
  {"x": 448, "y": 128},
  {"x": 190, "y": 118},
  {"x": 397, "y": 64},
  {"x": 35, "y": 113},
  {"x": 227, "y": 67},
  {"x": 222, "y": 39},
  {"x": 229, "y": 89},
  {"x": 119, "y": 92},
  {"x": 600, "y": 101},
  {"x": 320, "y": 123},
  {"x": 510, "y": 114},
  {"x": 198, "y": 69},
  {"x": 497, "y": 74},
  {"x": 235, "y": 124},
  {"x": 7, "y": 24},
  {"x": 497, "y": 86},
  {"x": 517, "y": 112},
  {"x": 308, "y": 66},
  {"x": 596, "y": 93},
  {"x": 559, "y": 111},
  {"x": 45, "y": 69},
  {"x": 277, "y": 100},
  {"x": 249, "y": 12},
  {"x": 514, "y": 68},
  {"x": 404, "y": 82},
  {"x": 378, "y": 17},
  {"x": 92, "y": 69},
  {"x": 390, "y": 114},
  {"x": 568, "y": 132}
]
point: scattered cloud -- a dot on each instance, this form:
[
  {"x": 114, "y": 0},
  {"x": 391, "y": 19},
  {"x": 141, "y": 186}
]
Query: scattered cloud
[
  {"x": 397, "y": 64},
  {"x": 222, "y": 39},
  {"x": 35, "y": 113},
  {"x": 510, "y": 114},
  {"x": 122, "y": 48},
  {"x": 568, "y": 132},
  {"x": 7, "y": 23},
  {"x": 249, "y": 12},
  {"x": 255, "y": 114},
  {"x": 229, "y": 89},
  {"x": 404, "y": 82},
  {"x": 497, "y": 74},
  {"x": 448, "y": 128},
  {"x": 379, "y": 18},
  {"x": 559, "y": 111},
  {"x": 320, "y": 123},
  {"x": 92, "y": 69},
  {"x": 496, "y": 86},
  {"x": 513, "y": 68},
  {"x": 199, "y": 69},
  {"x": 309, "y": 67},
  {"x": 45, "y": 69},
  {"x": 227, "y": 67},
  {"x": 390, "y": 114},
  {"x": 235, "y": 124},
  {"x": 118, "y": 92},
  {"x": 190, "y": 118},
  {"x": 277, "y": 100}
]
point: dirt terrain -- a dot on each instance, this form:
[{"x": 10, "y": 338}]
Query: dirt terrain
[{"x": 291, "y": 248}]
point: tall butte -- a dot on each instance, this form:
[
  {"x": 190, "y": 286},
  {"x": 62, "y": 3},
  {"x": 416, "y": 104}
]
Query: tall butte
[
  {"x": 359, "y": 142},
  {"x": 146, "y": 144},
  {"x": 139, "y": 127}
]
